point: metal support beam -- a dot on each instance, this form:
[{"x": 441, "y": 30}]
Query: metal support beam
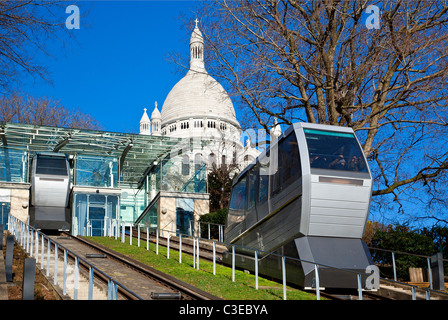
[
  {"x": 62, "y": 143},
  {"x": 3, "y": 136},
  {"x": 123, "y": 155}
]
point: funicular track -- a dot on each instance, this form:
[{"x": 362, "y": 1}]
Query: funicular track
[
  {"x": 186, "y": 291},
  {"x": 138, "y": 281}
]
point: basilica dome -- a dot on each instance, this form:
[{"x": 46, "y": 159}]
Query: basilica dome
[{"x": 198, "y": 95}]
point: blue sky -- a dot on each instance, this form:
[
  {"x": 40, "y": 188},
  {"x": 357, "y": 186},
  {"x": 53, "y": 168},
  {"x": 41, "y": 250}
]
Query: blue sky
[{"x": 118, "y": 64}]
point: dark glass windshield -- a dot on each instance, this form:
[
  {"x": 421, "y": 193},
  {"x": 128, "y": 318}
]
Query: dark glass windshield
[
  {"x": 51, "y": 165},
  {"x": 334, "y": 151}
]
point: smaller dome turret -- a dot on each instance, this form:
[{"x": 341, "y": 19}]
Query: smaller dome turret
[
  {"x": 156, "y": 121},
  {"x": 145, "y": 124}
]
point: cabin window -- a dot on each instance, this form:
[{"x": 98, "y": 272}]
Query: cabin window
[
  {"x": 252, "y": 187},
  {"x": 238, "y": 200},
  {"x": 288, "y": 163},
  {"x": 334, "y": 151},
  {"x": 51, "y": 165},
  {"x": 264, "y": 178}
]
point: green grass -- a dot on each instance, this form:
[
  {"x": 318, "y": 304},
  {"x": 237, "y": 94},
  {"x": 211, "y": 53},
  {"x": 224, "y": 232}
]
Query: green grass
[{"x": 220, "y": 285}]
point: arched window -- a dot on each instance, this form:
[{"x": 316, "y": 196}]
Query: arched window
[
  {"x": 223, "y": 161},
  {"x": 212, "y": 159},
  {"x": 197, "y": 161},
  {"x": 185, "y": 165}
]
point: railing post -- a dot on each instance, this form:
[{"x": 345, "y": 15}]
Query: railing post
[
  {"x": 157, "y": 241},
  {"x": 28, "y": 239},
  {"x": 316, "y": 274},
  {"x": 76, "y": 280},
  {"x": 233, "y": 263},
  {"x": 180, "y": 248},
  {"x": 147, "y": 238},
  {"x": 284, "y": 277},
  {"x": 256, "y": 269},
  {"x": 194, "y": 253},
  {"x": 55, "y": 281},
  {"x": 90, "y": 283},
  {"x": 429, "y": 272},
  {"x": 64, "y": 281},
  {"x": 36, "y": 253},
  {"x": 42, "y": 252},
  {"x": 31, "y": 243},
  {"x": 209, "y": 231},
  {"x": 394, "y": 268},
  {"x": 48, "y": 257},
  {"x": 197, "y": 258},
  {"x": 359, "y": 286},
  {"x": 109, "y": 289},
  {"x": 168, "y": 246},
  {"x": 138, "y": 231},
  {"x": 214, "y": 257}
]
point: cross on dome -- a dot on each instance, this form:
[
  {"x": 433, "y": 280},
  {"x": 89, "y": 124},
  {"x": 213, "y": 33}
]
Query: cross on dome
[{"x": 196, "y": 21}]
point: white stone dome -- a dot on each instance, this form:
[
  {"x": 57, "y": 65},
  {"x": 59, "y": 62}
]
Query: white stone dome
[{"x": 198, "y": 95}]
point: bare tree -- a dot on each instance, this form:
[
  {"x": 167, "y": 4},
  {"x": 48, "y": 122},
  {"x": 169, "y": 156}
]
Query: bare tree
[
  {"x": 25, "y": 28},
  {"x": 43, "y": 111},
  {"x": 316, "y": 61}
]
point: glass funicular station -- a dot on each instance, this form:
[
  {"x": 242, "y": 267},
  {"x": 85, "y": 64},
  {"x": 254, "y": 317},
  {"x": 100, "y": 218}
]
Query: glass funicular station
[{"x": 110, "y": 178}]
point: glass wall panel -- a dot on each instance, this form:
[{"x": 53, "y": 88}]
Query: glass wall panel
[
  {"x": 150, "y": 219},
  {"x": 171, "y": 175},
  {"x": 93, "y": 214},
  {"x": 185, "y": 216},
  {"x": 96, "y": 171},
  {"x": 5, "y": 208},
  {"x": 128, "y": 205},
  {"x": 13, "y": 165}
]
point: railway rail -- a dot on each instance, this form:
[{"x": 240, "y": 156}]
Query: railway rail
[{"x": 168, "y": 286}]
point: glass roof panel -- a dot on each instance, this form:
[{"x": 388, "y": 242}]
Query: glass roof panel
[{"x": 135, "y": 152}]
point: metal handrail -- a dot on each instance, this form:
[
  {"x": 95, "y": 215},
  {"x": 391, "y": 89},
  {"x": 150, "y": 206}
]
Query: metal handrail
[
  {"x": 317, "y": 266},
  {"x": 21, "y": 229}
]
